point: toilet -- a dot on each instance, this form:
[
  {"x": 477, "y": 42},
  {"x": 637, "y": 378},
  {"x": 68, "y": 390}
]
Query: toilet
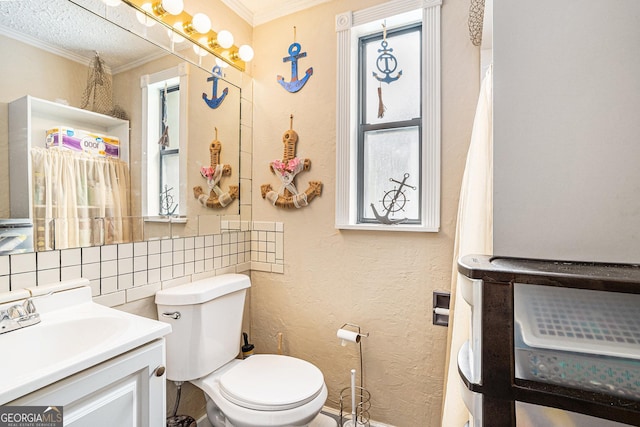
[{"x": 264, "y": 390}]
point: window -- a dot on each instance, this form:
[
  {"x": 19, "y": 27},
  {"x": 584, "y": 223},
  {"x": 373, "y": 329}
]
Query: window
[
  {"x": 164, "y": 166},
  {"x": 388, "y": 165}
]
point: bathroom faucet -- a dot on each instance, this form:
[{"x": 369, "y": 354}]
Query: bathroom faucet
[{"x": 19, "y": 316}]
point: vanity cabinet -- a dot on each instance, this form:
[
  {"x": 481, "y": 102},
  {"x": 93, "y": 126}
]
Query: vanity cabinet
[
  {"x": 29, "y": 120},
  {"x": 500, "y": 290},
  {"x": 125, "y": 391}
]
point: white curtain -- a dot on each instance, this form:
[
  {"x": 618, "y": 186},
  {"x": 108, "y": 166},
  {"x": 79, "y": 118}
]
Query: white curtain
[
  {"x": 79, "y": 200},
  {"x": 474, "y": 235}
]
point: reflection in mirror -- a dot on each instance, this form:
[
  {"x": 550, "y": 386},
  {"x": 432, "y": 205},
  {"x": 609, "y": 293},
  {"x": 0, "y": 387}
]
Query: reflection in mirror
[{"x": 50, "y": 68}]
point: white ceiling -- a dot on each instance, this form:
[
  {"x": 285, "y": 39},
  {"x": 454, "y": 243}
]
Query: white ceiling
[{"x": 257, "y": 12}]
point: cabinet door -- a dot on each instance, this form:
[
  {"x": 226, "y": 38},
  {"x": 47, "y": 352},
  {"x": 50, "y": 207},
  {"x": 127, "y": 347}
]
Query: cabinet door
[{"x": 124, "y": 392}]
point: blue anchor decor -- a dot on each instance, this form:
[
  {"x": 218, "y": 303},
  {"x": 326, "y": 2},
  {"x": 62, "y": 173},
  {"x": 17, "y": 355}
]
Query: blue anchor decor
[
  {"x": 215, "y": 100},
  {"x": 387, "y": 64},
  {"x": 294, "y": 54}
]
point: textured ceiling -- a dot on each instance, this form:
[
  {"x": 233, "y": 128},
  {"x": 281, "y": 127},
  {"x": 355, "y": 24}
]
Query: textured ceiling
[{"x": 78, "y": 30}]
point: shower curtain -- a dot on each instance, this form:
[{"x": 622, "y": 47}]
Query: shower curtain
[
  {"x": 474, "y": 235},
  {"x": 79, "y": 200}
]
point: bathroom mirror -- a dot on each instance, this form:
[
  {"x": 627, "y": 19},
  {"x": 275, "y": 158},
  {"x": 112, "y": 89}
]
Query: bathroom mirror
[{"x": 48, "y": 48}]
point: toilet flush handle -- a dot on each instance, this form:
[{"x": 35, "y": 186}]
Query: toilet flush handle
[{"x": 175, "y": 315}]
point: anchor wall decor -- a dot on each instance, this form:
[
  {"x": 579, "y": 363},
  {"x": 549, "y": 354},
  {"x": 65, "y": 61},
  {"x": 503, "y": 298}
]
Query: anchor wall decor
[
  {"x": 217, "y": 198},
  {"x": 393, "y": 201},
  {"x": 294, "y": 54},
  {"x": 387, "y": 64},
  {"x": 215, "y": 100},
  {"x": 286, "y": 170}
]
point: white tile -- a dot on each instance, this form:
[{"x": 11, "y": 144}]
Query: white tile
[
  {"x": 225, "y": 250},
  {"x": 199, "y": 254},
  {"x": 233, "y": 237},
  {"x": 208, "y": 264},
  {"x": 208, "y": 240},
  {"x": 125, "y": 281},
  {"x": 277, "y": 268},
  {"x": 125, "y": 250},
  {"x": 199, "y": 242},
  {"x": 166, "y": 258},
  {"x": 48, "y": 260},
  {"x": 178, "y": 270},
  {"x": 189, "y": 267},
  {"x": 4, "y": 284},
  {"x": 198, "y": 266},
  {"x": 140, "y": 292},
  {"x": 71, "y": 272},
  {"x": 175, "y": 282},
  {"x": 271, "y": 247},
  {"x": 108, "y": 285},
  {"x": 109, "y": 268},
  {"x": 91, "y": 271},
  {"x": 226, "y": 270},
  {"x": 217, "y": 262},
  {"x": 23, "y": 280},
  {"x": 153, "y": 261},
  {"x": 166, "y": 245},
  {"x": 226, "y": 261},
  {"x": 4, "y": 265},
  {"x": 108, "y": 252},
  {"x": 279, "y": 246},
  {"x": 111, "y": 300},
  {"x": 140, "y": 278},
  {"x": 166, "y": 273},
  {"x": 217, "y": 240},
  {"x": 189, "y": 255},
  {"x": 69, "y": 257},
  {"x": 178, "y": 244},
  {"x": 260, "y": 266},
  {"x": 178, "y": 257},
  {"x": 23, "y": 263},
  {"x": 242, "y": 267},
  {"x": 153, "y": 247},
  {"x": 46, "y": 277},
  {"x": 139, "y": 248},
  {"x": 90, "y": 255},
  {"x": 95, "y": 287},
  {"x": 153, "y": 275},
  {"x": 208, "y": 252},
  {"x": 125, "y": 265},
  {"x": 264, "y": 226},
  {"x": 262, "y": 256},
  {"x": 225, "y": 239},
  {"x": 271, "y": 257},
  {"x": 279, "y": 226},
  {"x": 189, "y": 242},
  {"x": 140, "y": 263}
]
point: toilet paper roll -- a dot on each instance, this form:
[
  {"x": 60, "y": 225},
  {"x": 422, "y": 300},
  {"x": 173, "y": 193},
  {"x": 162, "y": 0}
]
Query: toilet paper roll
[{"x": 346, "y": 335}]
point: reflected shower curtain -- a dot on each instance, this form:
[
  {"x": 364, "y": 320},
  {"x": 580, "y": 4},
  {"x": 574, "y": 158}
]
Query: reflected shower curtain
[
  {"x": 474, "y": 235},
  {"x": 79, "y": 200}
]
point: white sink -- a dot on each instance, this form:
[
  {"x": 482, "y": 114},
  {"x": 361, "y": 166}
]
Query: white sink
[{"x": 74, "y": 334}]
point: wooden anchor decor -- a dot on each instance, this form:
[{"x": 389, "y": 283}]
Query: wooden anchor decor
[
  {"x": 217, "y": 198},
  {"x": 286, "y": 170}
]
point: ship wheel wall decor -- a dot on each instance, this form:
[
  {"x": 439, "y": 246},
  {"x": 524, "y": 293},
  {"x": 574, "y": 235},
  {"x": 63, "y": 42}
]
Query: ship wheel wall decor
[
  {"x": 286, "y": 170},
  {"x": 213, "y": 174}
]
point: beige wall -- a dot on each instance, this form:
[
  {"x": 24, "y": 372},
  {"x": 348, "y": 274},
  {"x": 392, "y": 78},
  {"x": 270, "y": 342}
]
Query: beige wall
[{"x": 382, "y": 281}]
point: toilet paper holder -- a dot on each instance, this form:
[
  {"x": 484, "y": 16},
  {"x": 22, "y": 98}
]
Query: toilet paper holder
[{"x": 350, "y": 335}]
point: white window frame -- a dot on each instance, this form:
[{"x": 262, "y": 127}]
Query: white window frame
[
  {"x": 350, "y": 26},
  {"x": 150, "y": 84}
]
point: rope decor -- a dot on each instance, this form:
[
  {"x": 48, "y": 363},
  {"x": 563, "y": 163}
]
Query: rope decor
[{"x": 476, "y": 18}]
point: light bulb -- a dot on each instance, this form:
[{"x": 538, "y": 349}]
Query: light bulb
[
  {"x": 174, "y": 7},
  {"x": 201, "y": 23},
  {"x": 220, "y": 63},
  {"x": 173, "y": 34},
  {"x": 198, "y": 50},
  {"x": 225, "y": 39},
  {"x": 112, "y": 3},
  {"x": 245, "y": 52},
  {"x": 144, "y": 19}
]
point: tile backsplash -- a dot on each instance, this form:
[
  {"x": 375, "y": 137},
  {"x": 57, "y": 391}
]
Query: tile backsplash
[{"x": 126, "y": 272}]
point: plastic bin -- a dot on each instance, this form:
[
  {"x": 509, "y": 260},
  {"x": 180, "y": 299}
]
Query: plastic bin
[{"x": 583, "y": 339}]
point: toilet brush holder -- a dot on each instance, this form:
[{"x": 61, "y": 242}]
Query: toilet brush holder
[{"x": 357, "y": 416}]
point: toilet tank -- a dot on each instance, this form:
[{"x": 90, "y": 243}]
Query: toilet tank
[{"x": 206, "y": 321}]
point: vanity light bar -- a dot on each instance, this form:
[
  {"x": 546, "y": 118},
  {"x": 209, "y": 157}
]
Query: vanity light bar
[{"x": 230, "y": 55}]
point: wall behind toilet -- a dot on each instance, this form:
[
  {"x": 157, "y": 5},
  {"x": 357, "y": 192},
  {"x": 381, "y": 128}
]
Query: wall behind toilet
[{"x": 382, "y": 281}]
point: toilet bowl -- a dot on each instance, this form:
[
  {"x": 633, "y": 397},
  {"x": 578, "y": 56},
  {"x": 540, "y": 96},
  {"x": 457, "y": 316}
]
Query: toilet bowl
[{"x": 264, "y": 390}]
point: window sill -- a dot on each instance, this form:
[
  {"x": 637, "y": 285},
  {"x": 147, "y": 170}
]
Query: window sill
[
  {"x": 384, "y": 227},
  {"x": 173, "y": 220}
]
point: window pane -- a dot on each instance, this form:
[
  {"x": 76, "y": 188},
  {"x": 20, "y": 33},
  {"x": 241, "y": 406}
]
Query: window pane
[
  {"x": 390, "y": 155},
  {"x": 401, "y": 97},
  {"x": 171, "y": 179},
  {"x": 173, "y": 117}
]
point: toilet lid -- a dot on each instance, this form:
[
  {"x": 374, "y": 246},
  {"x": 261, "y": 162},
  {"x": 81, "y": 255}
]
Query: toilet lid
[{"x": 269, "y": 382}]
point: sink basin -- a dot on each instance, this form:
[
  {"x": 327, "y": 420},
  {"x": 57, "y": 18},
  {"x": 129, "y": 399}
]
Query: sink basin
[{"x": 74, "y": 334}]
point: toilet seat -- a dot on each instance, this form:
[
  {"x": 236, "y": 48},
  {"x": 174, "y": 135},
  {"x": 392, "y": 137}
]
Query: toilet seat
[{"x": 268, "y": 382}]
